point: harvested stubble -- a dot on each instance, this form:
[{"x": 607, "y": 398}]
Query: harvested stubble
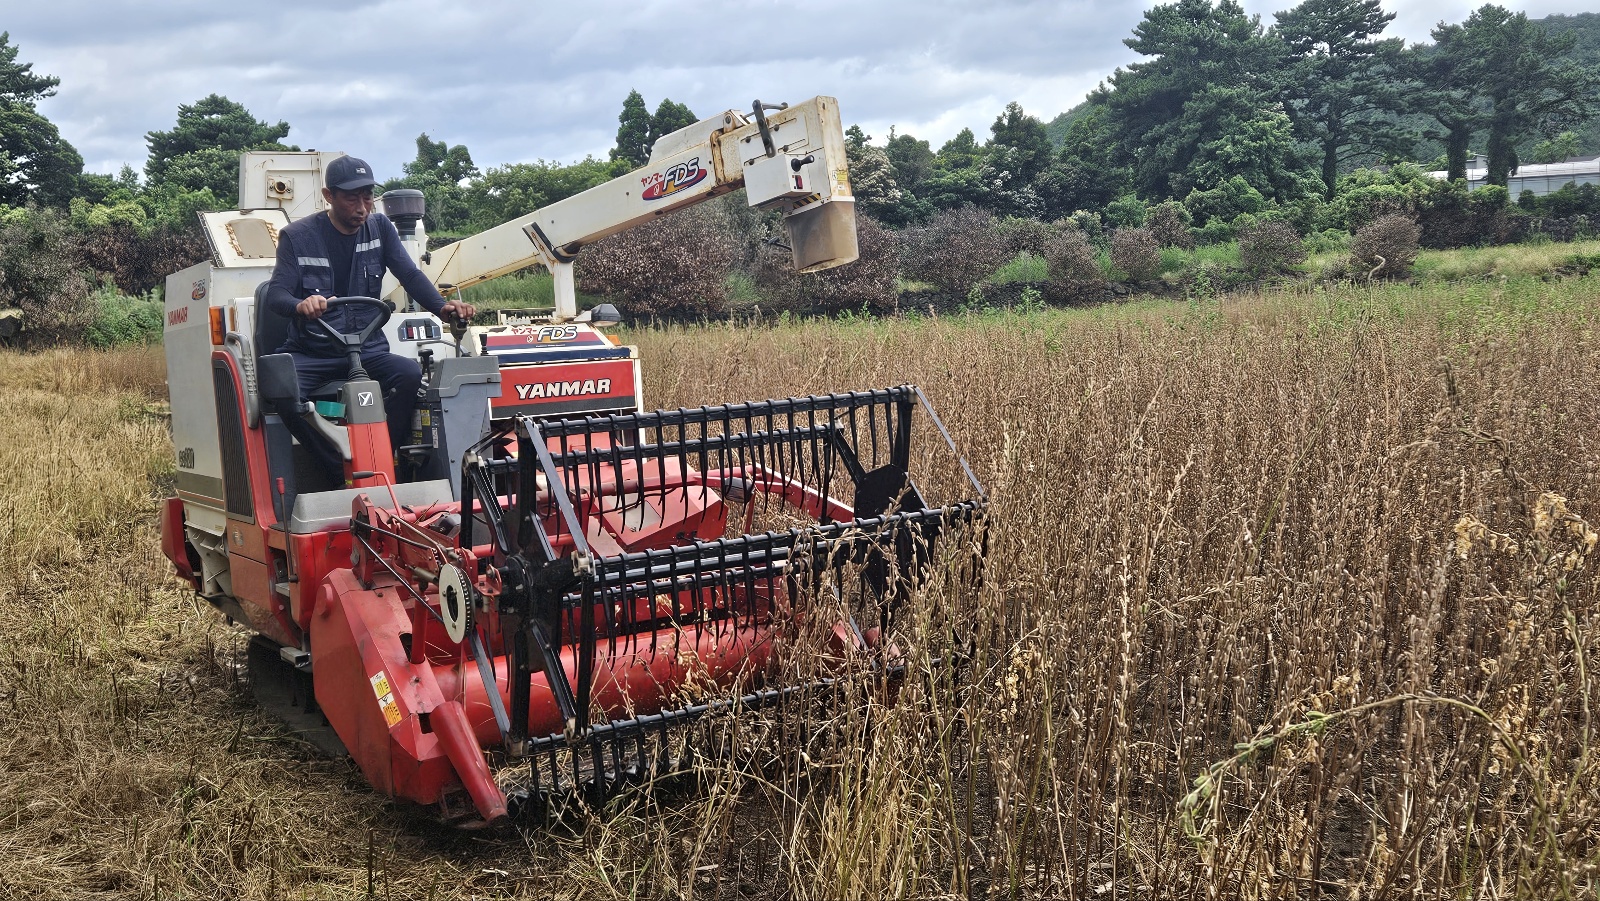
[{"x": 1290, "y": 599}]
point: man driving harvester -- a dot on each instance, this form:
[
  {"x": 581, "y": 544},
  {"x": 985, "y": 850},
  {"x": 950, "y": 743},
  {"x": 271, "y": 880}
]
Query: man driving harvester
[{"x": 344, "y": 255}]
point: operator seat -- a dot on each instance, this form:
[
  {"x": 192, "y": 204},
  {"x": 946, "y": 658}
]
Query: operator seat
[
  {"x": 291, "y": 461},
  {"x": 271, "y": 331}
]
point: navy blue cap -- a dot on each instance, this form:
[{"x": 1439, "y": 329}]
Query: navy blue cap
[{"x": 348, "y": 174}]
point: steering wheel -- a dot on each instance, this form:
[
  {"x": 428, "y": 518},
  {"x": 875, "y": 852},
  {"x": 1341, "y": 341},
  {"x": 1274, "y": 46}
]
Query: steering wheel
[{"x": 333, "y": 339}]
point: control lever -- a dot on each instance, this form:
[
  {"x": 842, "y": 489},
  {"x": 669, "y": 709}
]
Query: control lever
[
  {"x": 458, "y": 329},
  {"x": 760, "y": 111}
]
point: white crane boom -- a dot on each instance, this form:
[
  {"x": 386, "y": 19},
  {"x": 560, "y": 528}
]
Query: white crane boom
[{"x": 790, "y": 159}]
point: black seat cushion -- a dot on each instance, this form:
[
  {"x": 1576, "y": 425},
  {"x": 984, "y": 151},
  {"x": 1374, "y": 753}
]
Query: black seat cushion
[{"x": 272, "y": 330}]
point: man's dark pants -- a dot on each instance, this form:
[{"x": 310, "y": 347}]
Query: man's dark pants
[{"x": 398, "y": 376}]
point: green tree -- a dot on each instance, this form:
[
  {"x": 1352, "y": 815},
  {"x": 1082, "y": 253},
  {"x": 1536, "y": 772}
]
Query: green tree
[
  {"x": 633, "y": 132},
  {"x": 1525, "y": 84},
  {"x": 668, "y": 118},
  {"x": 1553, "y": 150},
  {"x": 36, "y": 163},
  {"x": 956, "y": 178},
  {"x": 912, "y": 159},
  {"x": 960, "y": 152},
  {"x": 1204, "y": 75},
  {"x": 1257, "y": 145},
  {"x": 1339, "y": 82},
  {"x": 1018, "y": 152},
  {"x": 506, "y": 192},
  {"x": 1224, "y": 202},
  {"x": 1072, "y": 184},
  {"x": 202, "y": 150},
  {"x": 439, "y": 171},
  {"x": 1023, "y": 140},
  {"x": 19, "y": 86},
  {"x": 438, "y": 162},
  {"x": 1082, "y": 176},
  {"x": 873, "y": 183},
  {"x": 855, "y": 138},
  {"x": 173, "y": 207},
  {"x": 1446, "y": 92},
  {"x": 97, "y": 188}
]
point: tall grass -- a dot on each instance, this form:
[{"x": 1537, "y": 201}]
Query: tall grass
[
  {"x": 531, "y": 290},
  {"x": 1024, "y": 267},
  {"x": 1287, "y": 597},
  {"x": 527, "y": 290},
  {"x": 1177, "y": 259},
  {"x": 1510, "y": 260}
]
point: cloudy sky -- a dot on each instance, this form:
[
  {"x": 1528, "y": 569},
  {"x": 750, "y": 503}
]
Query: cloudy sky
[{"x": 519, "y": 81}]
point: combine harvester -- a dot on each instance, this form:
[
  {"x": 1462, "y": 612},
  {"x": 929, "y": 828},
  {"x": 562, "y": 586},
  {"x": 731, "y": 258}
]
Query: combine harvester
[{"x": 547, "y": 576}]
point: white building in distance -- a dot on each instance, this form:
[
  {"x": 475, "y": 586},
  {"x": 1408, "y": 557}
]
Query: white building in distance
[{"x": 1540, "y": 178}]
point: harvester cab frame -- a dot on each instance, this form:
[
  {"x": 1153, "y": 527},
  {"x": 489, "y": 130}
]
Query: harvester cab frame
[{"x": 552, "y": 568}]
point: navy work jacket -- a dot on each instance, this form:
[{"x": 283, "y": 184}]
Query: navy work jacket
[{"x": 302, "y": 269}]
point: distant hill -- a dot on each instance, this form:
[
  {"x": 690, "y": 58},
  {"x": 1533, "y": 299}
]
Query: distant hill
[
  {"x": 1057, "y": 128},
  {"x": 1586, "y": 26},
  {"x": 1587, "y": 51}
]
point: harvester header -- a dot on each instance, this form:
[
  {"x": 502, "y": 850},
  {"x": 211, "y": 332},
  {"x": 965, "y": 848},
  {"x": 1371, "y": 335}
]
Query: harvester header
[{"x": 547, "y": 575}]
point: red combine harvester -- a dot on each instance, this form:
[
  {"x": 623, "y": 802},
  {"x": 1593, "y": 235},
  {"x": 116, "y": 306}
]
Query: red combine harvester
[{"x": 547, "y": 573}]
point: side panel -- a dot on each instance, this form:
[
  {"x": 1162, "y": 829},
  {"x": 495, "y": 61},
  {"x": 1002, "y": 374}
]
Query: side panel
[
  {"x": 187, "y": 340},
  {"x": 190, "y": 296},
  {"x": 265, "y": 610}
]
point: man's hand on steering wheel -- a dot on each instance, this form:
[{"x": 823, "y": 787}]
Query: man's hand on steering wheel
[
  {"x": 312, "y": 307},
  {"x": 322, "y": 333}
]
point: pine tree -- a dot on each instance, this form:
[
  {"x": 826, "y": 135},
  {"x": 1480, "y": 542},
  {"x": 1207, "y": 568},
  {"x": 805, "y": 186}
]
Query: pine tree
[
  {"x": 19, "y": 87},
  {"x": 1339, "y": 82},
  {"x": 201, "y": 151},
  {"x": 36, "y": 163},
  {"x": 633, "y": 132},
  {"x": 1202, "y": 81},
  {"x": 1520, "y": 79},
  {"x": 668, "y": 118}
]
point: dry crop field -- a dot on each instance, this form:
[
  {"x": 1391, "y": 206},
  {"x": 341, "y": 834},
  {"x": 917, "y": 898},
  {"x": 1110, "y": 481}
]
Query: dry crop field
[{"x": 1289, "y": 598}]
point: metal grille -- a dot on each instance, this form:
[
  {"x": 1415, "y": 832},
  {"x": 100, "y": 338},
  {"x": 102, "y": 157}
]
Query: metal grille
[{"x": 620, "y": 534}]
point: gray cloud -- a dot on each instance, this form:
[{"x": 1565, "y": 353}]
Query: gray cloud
[{"x": 518, "y": 81}]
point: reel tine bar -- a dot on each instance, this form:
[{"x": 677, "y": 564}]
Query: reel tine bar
[{"x": 615, "y": 534}]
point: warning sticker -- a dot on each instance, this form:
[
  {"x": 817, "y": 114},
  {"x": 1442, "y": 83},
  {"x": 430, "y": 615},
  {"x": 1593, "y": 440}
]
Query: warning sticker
[
  {"x": 380, "y": 688},
  {"x": 391, "y": 710}
]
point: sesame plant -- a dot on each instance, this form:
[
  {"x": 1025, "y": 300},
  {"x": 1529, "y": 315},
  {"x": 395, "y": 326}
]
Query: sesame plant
[{"x": 1291, "y": 597}]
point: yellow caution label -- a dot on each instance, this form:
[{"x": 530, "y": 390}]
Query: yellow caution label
[
  {"x": 391, "y": 710},
  {"x": 385, "y": 696},
  {"x": 427, "y": 418}
]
